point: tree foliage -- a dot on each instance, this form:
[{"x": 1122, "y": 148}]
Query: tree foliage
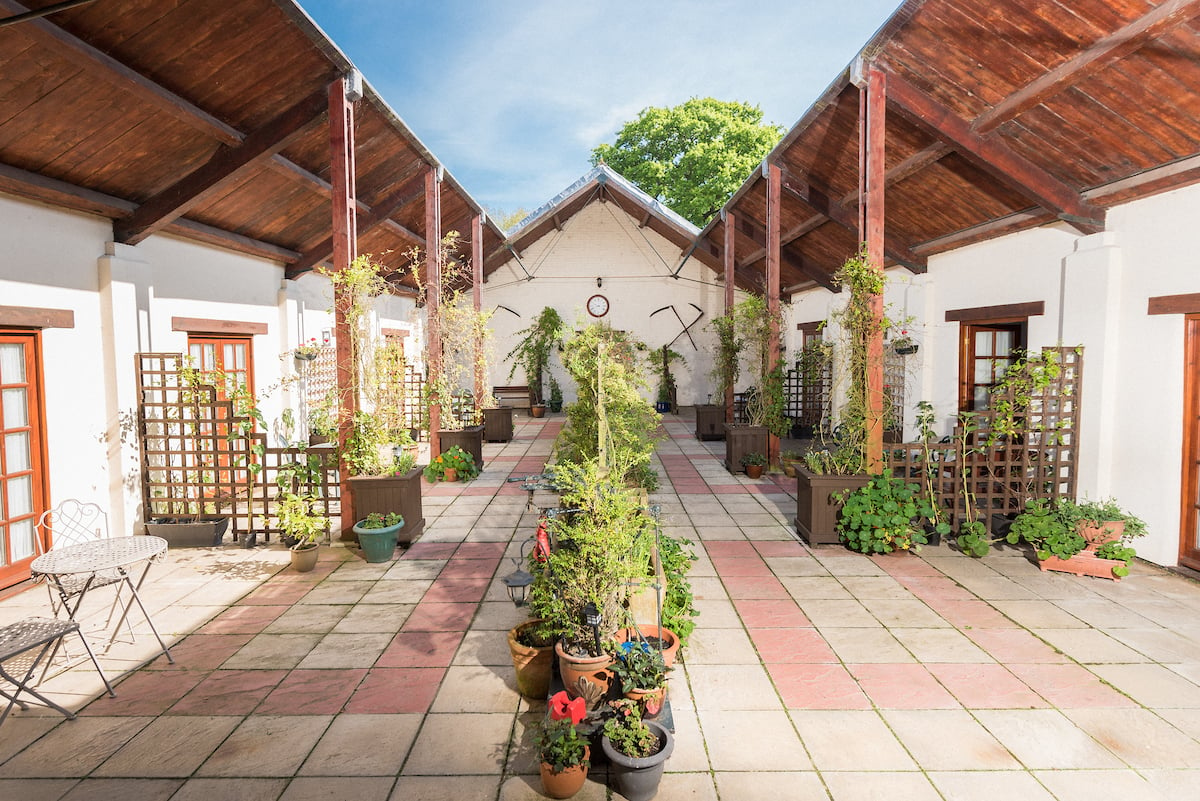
[{"x": 693, "y": 156}]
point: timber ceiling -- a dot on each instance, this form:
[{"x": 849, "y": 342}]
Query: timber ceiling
[
  {"x": 1001, "y": 115},
  {"x": 207, "y": 119}
]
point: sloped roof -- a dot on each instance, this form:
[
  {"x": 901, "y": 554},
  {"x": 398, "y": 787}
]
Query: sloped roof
[
  {"x": 601, "y": 184},
  {"x": 1001, "y": 115},
  {"x": 208, "y": 120}
]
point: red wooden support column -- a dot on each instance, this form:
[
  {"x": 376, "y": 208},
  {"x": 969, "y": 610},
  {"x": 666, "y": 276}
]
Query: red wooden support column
[
  {"x": 730, "y": 232},
  {"x": 872, "y": 179},
  {"x": 345, "y": 250},
  {"x": 433, "y": 295},
  {"x": 477, "y": 297},
  {"x": 774, "y": 192}
]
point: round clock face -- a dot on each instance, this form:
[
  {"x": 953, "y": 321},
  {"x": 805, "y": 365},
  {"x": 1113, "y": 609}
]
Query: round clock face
[{"x": 597, "y": 305}]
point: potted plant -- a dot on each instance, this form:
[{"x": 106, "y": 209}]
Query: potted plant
[
  {"x": 556, "y": 397},
  {"x": 377, "y": 534},
  {"x": 884, "y": 516},
  {"x": 788, "y": 460},
  {"x": 532, "y": 353},
  {"x": 1053, "y": 528},
  {"x": 531, "y": 646},
  {"x": 642, "y": 673},
  {"x": 451, "y": 465},
  {"x": 753, "y": 463},
  {"x": 300, "y": 529},
  {"x": 1104, "y": 521},
  {"x": 637, "y": 750},
  {"x": 904, "y": 345},
  {"x": 765, "y": 399},
  {"x": 497, "y": 421},
  {"x": 562, "y": 751}
]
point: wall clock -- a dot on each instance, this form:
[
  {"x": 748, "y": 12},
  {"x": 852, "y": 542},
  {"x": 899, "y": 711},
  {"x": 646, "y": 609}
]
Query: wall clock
[{"x": 597, "y": 305}]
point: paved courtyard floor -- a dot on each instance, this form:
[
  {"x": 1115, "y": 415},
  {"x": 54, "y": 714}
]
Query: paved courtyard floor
[{"x": 812, "y": 674}]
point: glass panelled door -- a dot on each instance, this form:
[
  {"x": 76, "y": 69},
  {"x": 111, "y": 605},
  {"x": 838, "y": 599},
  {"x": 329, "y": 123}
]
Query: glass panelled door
[
  {"x": 230, "y": 357},
  {"x": 988, "y": 350},
  {"x": 1189, "y": 539},
  {"x": 22, "y": 483}
]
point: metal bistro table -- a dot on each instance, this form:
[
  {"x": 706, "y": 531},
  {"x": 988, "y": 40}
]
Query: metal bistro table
[{"x": 87, "y": 560}]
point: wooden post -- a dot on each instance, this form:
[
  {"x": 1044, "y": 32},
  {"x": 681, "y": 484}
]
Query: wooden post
[
  {"x": 433, "y": 296},
  {"x": 481, "y": 389},
  {"x": 872, "y": 178},
  {"x": 730, "y": 231},
  {"x": 774, "y": 193},
  {"x": 345, "y": 250}
]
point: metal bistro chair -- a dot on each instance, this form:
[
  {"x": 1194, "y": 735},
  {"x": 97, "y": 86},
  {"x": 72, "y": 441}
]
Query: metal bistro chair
[
  {"x": 23, "y": 645},
  {"x": 73, "y": 522}
]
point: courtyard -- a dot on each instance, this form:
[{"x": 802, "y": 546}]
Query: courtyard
[{"x": 812, "y": 673}]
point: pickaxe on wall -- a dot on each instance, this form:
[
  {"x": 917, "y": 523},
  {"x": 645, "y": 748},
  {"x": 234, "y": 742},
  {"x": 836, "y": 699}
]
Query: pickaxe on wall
[{"x": 686, "y": 326}]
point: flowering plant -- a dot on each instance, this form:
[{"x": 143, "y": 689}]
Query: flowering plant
[
  {"x": 456, "y": 459},
  {"x": 626, "y": 731},
  {"x": 379, "y": 520},
  {"x": 308, "y": 351}
]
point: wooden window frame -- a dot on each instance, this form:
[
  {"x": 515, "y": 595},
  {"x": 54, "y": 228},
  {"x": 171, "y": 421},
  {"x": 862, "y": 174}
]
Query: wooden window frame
[{"x": 38, "y": 454}]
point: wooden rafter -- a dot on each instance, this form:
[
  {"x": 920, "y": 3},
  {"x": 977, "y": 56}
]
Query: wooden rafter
[
  {"x": 228, "y": 162},
  {"x": 994, "y": 157},
  {"x": 818, "y": 197},
  {"x": 1100, "y": 55}
]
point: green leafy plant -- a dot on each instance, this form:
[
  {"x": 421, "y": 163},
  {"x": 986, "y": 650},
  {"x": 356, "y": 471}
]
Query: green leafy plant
[
  {"x": 679, "y": 610},
  {"x": 361, "y": 456},
  {"x": 765, "y": 405},
  {"x": 454, "y": 458},
  {"x": 1117, "y": 550},
  {"x": 1049, "y": 526},
  {"x": 556, "y": 396},
  {"x": 532, "y": 353},
  {"x": 726, "y": 359},
  {"x": 883, "y": 516},
  {"x": 627, "y": 732},
  {"x": 638, "y": 666},
  {"x": 1107, "y": 510},
  {"x": 753, "y": 459},
  {"x": 403, "y": 463},
  {"x": 559, "y": 744},
  {"x": 298, "y": 522},
  {"x": 841, "y": 461},
  {"x": 380, "y": 520}
]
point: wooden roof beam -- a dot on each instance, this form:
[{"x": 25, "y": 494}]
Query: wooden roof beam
[
  {"x": 1105, "y": 52},
  {"x": 225, "y": 164},
  {"x": 818, "y": 197},
  {"x": 104, "y": 66},
  {"x": 377, "y": 215},
  {"x": 994, "y": 157}
]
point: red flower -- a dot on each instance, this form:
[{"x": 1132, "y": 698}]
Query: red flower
[{"x": 564, "y": 708}]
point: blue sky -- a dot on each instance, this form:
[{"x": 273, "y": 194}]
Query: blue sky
[{"x": 512, "y": 97}]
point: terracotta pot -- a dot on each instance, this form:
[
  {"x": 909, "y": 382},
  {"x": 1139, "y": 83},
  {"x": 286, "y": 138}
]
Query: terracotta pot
[
  {"x": 533, "y": 665},
  {"x": 304, "y": 559},
  {"x": 651, "y": 701},
  {"x": 754, "y": 471},
  {"x": 1098, "y": 532},
  {"x": 568, "y": 781},
  {"x": 450, "y": 474},
  {"x": 670, "y": 640},
  {"x": 537, "y": 410},
  {"x": 586, "y": 677}
]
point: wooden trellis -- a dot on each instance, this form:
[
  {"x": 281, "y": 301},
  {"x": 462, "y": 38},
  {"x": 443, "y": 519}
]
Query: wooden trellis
[
  {"x": 316, "y": 478},
  {"x": 1039, "y": 460}
]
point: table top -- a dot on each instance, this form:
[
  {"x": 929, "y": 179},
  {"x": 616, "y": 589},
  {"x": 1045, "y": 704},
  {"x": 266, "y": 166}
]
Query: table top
[{"x": 97, "y": 555}]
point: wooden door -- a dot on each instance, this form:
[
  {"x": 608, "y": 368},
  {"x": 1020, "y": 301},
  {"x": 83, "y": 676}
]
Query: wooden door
[
  {"x": 1189, "y": 535},
  {"x": 22, "y": 453},
  {"x": 228, "y": 361},
  {"x": 987, "y": 351}
]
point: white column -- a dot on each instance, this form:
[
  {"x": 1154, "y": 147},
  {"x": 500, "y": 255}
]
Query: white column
[
  {"x": 124, "y": 282},
  {"x": 1091, "y": 307}
]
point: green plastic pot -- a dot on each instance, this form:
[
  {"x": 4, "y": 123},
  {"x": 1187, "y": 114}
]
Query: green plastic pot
[{"x": 378, "y": 544}]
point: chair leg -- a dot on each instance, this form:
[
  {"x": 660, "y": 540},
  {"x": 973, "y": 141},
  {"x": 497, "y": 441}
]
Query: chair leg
[{"x": 22, "y": 685}]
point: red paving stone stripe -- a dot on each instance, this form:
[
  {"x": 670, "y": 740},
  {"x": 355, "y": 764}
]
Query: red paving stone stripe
[
  {"x": 986, "y": 687},
  {"x": 807, "y": 686},
  {"x": 421, "y": 649},
  {"x": 1069, "y": 686},
  {"x": 902, "y": 686},
  {"x": 928, "y": 588},
  {"x": 731, "y": 567},
  {"x": 480, "y": 550},
  {"x": 452, "y": 590},
  {"x": 470, "y": 569},
  {"x": 970, "y": 614},
  {"x": 1014, "y": 646},
  {"x": 243, "y": 620},
  {"x": 396, "y": 691},
  {"x": 276, "y": 594},
  {"x": 312, "y": 692},
  {"x": 738, "y": 549},
  {"x": 792, "y": 646},
  {"x": 505, "y": 458},
  {"x": 440, "y": 617},
  {"x": 146, "y": 692},
  {"x": 727, "y": 489},
  {"x": 763, "y": 614},
  {"x": 772, "y": 548},
  {"x": 476, "y": 492},
  {"x": 229, "y": 692},
  {"x": 201, "y": 652}
]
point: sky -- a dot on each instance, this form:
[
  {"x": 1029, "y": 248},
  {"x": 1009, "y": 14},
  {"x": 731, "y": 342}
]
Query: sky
[{"x": 512, "y": 97}]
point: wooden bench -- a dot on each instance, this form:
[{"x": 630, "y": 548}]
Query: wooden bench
[{"x": 517, "y": 397}]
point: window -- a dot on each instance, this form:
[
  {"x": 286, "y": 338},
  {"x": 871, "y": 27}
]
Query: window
[
  {"x": 22, "y": 477},
  {"x": 987, "y": 351},
  {"x": 229, "y": 355}
]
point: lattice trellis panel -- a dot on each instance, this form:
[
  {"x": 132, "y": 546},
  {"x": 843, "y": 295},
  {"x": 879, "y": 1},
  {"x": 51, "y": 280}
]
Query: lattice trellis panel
[
  {"x": 318, "y": 478},
  {"x": 807, "y": 401}
]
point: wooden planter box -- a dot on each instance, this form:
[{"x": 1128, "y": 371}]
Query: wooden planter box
[
  {"x": 1084, "y": 563},
  {"x": 469, "y": 439},
  {"x": 498, "y": 424},
  {"x": 710, "y": 422},
  {"x": 816, "y": 510},
  {"x": 383, "y": 494},
  {"x": 741, "y": 440}
]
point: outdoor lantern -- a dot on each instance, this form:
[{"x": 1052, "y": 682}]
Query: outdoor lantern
[
  {"x": 592, "y": 617},
  {"x": 517, "y": 582}
]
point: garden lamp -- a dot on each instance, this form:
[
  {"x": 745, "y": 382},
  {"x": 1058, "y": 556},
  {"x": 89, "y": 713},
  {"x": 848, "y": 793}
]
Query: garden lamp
[
  {"x": 592, "y": 617},
  {"x": 517, "y": 583}
]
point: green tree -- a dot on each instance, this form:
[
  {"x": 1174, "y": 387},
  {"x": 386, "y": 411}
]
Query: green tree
[{"x": 693, "y": 156}]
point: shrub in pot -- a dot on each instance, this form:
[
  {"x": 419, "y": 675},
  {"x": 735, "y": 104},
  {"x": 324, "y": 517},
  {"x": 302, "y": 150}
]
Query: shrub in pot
[
  {"x": 884, "y": 516},
  {"x": 301, "y": 527},
  {"x": 637, "y": 750},
  {"x": 562, "y": 751},
  {"x": 753, "y": 464}
]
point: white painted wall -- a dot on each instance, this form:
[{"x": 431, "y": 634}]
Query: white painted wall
[{"x": 634, "y": 265}]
